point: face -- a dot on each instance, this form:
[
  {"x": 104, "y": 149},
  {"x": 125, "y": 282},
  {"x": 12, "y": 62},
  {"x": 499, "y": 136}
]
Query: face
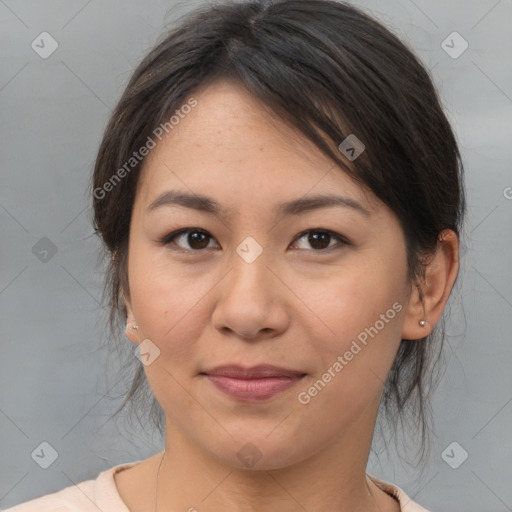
[{"x": 276, "y": 275}]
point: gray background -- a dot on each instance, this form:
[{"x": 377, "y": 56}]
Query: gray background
[{"x": 55, "y": 385}]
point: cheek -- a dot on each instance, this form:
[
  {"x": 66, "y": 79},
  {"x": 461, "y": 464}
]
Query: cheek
[
  {"x": 352, "y": 300},
  {"x": 352, "y": 362},
  {"x": 170, "y": 309},
  {"x": 355, "y": 343},
  {"x": 167, "y": 304}
]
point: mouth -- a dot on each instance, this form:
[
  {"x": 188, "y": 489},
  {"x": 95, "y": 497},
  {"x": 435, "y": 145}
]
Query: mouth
[{"x": 255, "y": 384}]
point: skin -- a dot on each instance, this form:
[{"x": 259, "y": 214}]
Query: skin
[{"x": 294, "y": 306}]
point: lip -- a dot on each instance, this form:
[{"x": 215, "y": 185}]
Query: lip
[{"x": 254, "y": 384}]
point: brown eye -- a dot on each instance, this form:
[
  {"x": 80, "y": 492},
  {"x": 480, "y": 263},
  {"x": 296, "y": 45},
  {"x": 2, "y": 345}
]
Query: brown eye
[
  {"x": 196, "y": 239},
  {"x": 193, "y": 239},
  {"x": 320, "y": 239}
]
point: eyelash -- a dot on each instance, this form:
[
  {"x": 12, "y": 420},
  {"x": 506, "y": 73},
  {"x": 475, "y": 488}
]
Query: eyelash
[{"x": 169, "y": 239}]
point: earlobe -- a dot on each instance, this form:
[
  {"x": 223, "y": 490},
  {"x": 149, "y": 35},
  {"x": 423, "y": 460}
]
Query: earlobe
[
  {"x": 415, "y": 324},
  {"x": 131, "y": 329},
  {"x": 429, "y": 298}
]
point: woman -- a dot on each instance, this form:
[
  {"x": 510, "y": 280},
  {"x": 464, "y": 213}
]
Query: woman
[{"x": 280, "y": 197}]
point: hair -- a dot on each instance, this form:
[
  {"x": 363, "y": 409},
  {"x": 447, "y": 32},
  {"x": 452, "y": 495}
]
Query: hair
[{"x": 329, "y": 70}]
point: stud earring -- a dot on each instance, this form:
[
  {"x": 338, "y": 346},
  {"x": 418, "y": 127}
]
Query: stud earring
[
  {"x": 134, "y": 326},
  {"x": 423, "y": 323}
]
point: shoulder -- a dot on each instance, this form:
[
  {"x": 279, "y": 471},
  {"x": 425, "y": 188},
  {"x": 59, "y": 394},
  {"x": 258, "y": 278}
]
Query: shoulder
[
  {"x": 406, "y": 503},
  {"x": 85, "y": 496},
  {"x": 70, "y": 499}
]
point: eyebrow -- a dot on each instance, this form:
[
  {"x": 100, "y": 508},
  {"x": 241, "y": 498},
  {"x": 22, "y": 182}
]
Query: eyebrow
[{"x": 295, "y": 207}]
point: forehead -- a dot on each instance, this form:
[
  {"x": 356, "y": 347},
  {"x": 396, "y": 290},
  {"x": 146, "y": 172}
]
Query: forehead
[{"x": 231, "y": 144}]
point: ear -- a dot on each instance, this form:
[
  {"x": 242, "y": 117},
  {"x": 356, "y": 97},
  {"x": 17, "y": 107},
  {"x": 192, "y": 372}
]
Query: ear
[
  {"x": 428, "y": 298},
  {"x": 131, "y": 334}
]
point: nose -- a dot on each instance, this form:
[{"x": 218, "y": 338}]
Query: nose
[{"x": 251, "y": 301}]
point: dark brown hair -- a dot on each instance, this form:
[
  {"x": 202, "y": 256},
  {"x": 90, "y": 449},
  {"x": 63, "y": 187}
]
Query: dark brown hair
[{"x": 329, "y": 70}]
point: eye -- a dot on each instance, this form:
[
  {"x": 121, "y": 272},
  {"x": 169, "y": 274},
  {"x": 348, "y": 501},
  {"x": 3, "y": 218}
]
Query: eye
[
  {"x": 197, "y": 239},
  {"x": 320, "y": 239}
]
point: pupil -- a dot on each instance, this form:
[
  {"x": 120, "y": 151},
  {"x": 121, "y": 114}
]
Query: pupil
[
  {"x": 317, "y": 240},
  {"x": 196, "y": 240}
]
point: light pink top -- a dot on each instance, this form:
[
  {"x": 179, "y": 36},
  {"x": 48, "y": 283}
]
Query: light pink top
[{"x": 101, "y": 494}]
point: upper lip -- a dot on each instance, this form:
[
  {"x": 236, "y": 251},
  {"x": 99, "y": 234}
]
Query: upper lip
[{"x": 256, "y": 372}]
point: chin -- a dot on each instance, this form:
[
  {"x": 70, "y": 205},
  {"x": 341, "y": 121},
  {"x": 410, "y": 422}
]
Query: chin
[{"x": 258, "y": 453}]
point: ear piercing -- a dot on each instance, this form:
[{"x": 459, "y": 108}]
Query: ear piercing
[
  {"x": 134, "y": 327},
  {"x": 423, "y": 323}
]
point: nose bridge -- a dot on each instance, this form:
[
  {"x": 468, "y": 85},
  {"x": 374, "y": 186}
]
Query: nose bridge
[
  {"x": 249, "y": 264},
  {"x": 249, "y": 302}
]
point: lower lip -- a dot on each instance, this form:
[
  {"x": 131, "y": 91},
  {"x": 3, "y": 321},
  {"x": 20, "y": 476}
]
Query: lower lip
[{"x": 253, "y": 390}]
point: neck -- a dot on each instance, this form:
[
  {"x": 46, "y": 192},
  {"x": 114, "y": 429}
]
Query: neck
[{"x": 332, "y": 479}]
